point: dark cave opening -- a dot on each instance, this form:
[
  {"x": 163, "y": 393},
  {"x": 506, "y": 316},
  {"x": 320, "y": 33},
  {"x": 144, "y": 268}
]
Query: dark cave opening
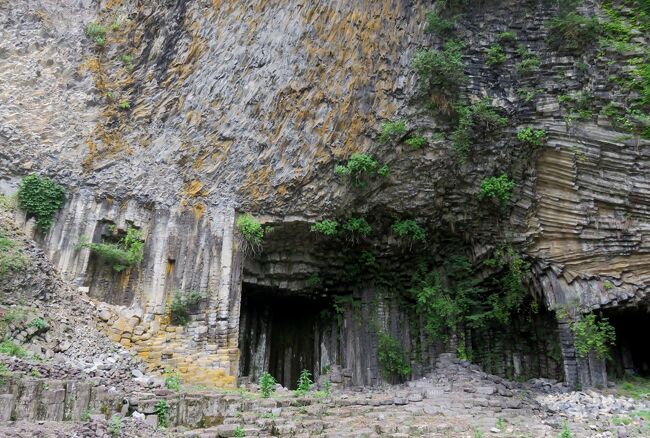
[
  {"x": 630, "y": 356},
  {"x": 279, "y": 333}
]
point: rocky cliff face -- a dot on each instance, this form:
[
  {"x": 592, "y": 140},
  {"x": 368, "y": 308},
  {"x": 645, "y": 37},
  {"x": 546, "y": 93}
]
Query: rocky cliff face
[{"x": 193, "y": 111}]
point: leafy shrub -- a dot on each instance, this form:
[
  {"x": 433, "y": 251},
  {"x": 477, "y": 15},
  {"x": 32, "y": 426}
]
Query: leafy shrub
[
  {"x": 393, "y": 359},
  {"x": 357, "y": 226},
  {"x": 124, "y": 104},
  {"x": 267, "y": 384},
  {"x": 239, "y": 432},
  {"x": 495, "y": 55},
  {"x": 126, "y": 253},
  {"x": 97, "y": 33},
  {"x": 409, "y": 229},
  {"x": 10, "y": 348},
  {"x": 474, "y": 120},
  {"x": 11, "y": 257},
  {"x": 416, "y": 142},
  {"x": 383, "y": 170},
  {"x": 313, "y": 280},
  {"x": 359, "y": 167},
  {"x": 115, "y": 426},
  {"x": 593, "y": 336},
  {"x": 41, "y": 198},
  {"x": 182, "y": 306},
  {"x": 438, "y": 25},
  {"x": 172, "y": 381},
  {"x": 533, "y": 137},
  {"x": 528, "y": 65},
  {"x": 440, "y": 69},
  {"x": 39, "y": 323},
  {"x": 572, "y": 33},
  {"x": 162, "y": 412},
  {"x": 326, "y": 227},
  {"x": 508, "y": 37},
  {"x": 499, "y": 188},
  {"x": 251, "y": 230},
  {"x": 304, "y": 383},
  {"x": 392, "y": 131}
]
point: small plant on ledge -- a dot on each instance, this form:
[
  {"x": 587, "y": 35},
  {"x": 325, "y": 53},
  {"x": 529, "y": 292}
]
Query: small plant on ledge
[
  {"x": 182, "y": 306},
  {"x": 126, "y": 253},
  {"x": 409, "y": 229},
  {"x": 267, "y": 384},
  {"x": 252, "y": 231},
  {"x": 326, "y": 227},
  {"x": 532, "y": 137},
  {"x": 499, "y": 188},
  {"x": 392, "y": 131},
  {"x": 304, "y": 383},
  {"x": 360, "y": 166},
  {"x": 41, "y": 198}
]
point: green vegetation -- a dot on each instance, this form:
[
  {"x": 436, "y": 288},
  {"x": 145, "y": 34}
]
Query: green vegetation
[
  {"x": 572, "y": 33},
  {"x": 4, "y": 373},
  {"x": 304, "y": 383},
  {"x": 499, "y": 188},
  {"x": 566, "y": 431},
  {"x": 124, "y": 104},
  {"x": 162, "y": 411},
  {"x": 127, "y": 60},
  {"x": 391, "y": 131},
  {"x": 41, "y": 198},
  {"x": 182, "y": 306},
  {"x": 507, "y": 37},
  {"x": 10, "y": 348},
  {"x": 172, "y": 380},
  {"x": 360, "y": 167},
  {"x": 115, "y": 426},
  {"x": 239, "y": 432},
  {"x": 38, "y": 323},
  {"x": 440, "y": 69},
  {"x": 251, "y": 230},
  {"x": 267, "y": 384},
  {"x": 495, "y": 55},
  {"x": 393, "y": 360},
  {"x": 529, "y": 64},
  {"x": 501, "y": 424},
  {"x": 409, "y": 229},
  {"x": 579, "y": 105},
  {"x": 634, "y": 387},
  {"x": 85, "y": 415},
  {"x": 126, "y": 253},
  {"x": 438, "y": 25},
  {"x": 314, "y": 280},
  {"x": 593, "y": 335},
  {"x": 326, "y": 227},
  {"x": 531, "y": 136},
  {"x": 474, "y": 121},
  {"x": 12, "y": 258},
  {"x": 357, "y": 227},
  {"x": 416, "y": 142},
  {"x": 608, "y": 285},
  {"x": 97, "y": 33}
]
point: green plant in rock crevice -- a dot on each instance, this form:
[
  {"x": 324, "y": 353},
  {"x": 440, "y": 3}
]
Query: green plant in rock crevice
[
  {"x": 251, "y": 230},
  {"x": 495, "y": 55},
  {"x": 162, "y": 412},
  {"x": 12, "y": 258},
  {"x": 499, "y": 188},
  {"x": 531, "y": 136},
  {"x": 416, "y": 141},
  {"x": 357, "y": 227},
  {"x": 593, "y": 335},
  {"x": 327, "y": 227},
  {"x": 41, "y": 198},
  {"x": 182, "y": 306},
  {"x": 391, "y": 131},
  {"x": 126, "y": 253},
  {"x": 97, "y": 33},
  {"x": 115, "y": 426},
  {"x": 172, "y": 380},
  {"x": 267, "y": 384},
  {"x": 359, "y": 167},
  {"x": 393, "y": 359},
  {"x": 305, "y": 383},
  {"x": 410, "y": 230}
]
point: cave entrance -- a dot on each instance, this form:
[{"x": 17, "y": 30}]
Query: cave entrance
[
  {"x": 630, "y": 355},
  {"x": 279, "y": 332}
]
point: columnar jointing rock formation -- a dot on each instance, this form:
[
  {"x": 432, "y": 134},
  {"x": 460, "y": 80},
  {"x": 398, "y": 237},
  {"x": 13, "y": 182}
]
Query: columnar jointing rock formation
[{"x": 191, "y": 112}]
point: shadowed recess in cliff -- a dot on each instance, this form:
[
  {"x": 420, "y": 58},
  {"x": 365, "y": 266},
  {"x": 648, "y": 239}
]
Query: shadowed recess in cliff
[{"x": 630, "y": 355}]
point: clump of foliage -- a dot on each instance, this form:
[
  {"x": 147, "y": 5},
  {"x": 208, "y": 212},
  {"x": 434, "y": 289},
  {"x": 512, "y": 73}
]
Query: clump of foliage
[
  {"x": 393, "y": 359},
  {"x": 11, "y": 257},
  {"x": 162, "y": 412},
  {"x": 97, "y": 33},
  {"x": 437, "y": 24},
  {"x": 173, "y": 381},
  {"x": 566, "y": 431},
  {"x": 359, "y": 167},
  {"x": 126, "y": 253},
  {"x": 473, "y": 122},
  {"x": 41, "y": 198},
  {"x": 239, "y": 432},
  {"x": 304, "y": 383},
  {"x": 10, "y": 348},
  {"x": 267, "y": 384},
  {"x": 593, "y": 335},
  {"x": 4, "y": 373},
  {"x": 495, "y": 55},
  {"x": 124, "y": 104},
  {"x": 392, "y": 131},
  {"x": 507, "y": 37},
  {"x": 409, "y": 229},
  {"x": 497, "y": 187},
  {"x": 326, "y": 227},
  {"x": 531, "y": 136},
  {"x": 182, "y": 306},
  {"x": 357, "y": 227},
  {"x": 251, "y": 230},
  {"x": 39, "y": 324},
  {"x": 314, "y": 280},
  {"x": 440, "y": 69},
  {"x": 115, "y": 426},
  {"x": 529, "y": 64},
  {"x": 416, "y": 141},
  {"x": 572, "y": 33}
]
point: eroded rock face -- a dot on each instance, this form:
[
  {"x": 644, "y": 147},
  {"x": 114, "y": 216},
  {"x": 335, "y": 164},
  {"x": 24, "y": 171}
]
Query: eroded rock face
[{"x": 194, "y": 109}]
